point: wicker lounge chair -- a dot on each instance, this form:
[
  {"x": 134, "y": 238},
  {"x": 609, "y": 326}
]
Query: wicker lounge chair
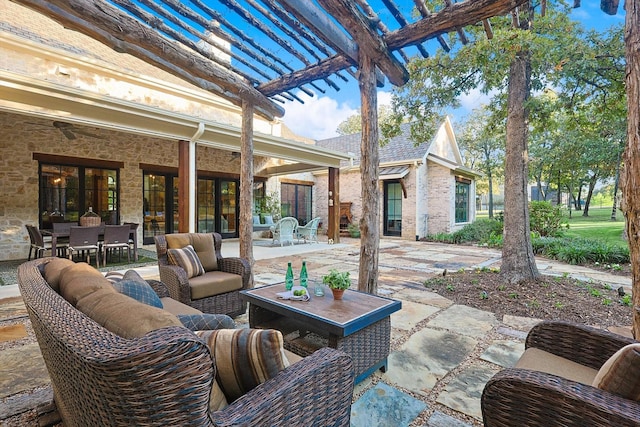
[
  {"x": 309, "y": 231},
  {"x": 284, "y": 231},
  {"x": 165, "y": 377},
  {"x": 180, "y": 286},
  {"x": 531, "y": 397}
]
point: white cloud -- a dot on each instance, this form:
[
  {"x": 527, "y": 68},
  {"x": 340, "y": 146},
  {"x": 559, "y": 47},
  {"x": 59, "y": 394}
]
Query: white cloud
[
  {"x": 474, "y": 99},
  {"x": 318, "y": 117}
]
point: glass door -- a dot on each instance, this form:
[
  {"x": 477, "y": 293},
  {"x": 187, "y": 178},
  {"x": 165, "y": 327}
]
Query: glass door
[
  {"x": 160, "y": 205},
  {"x": 392, "y": 208},
  {"x": 228, "y": 208}
]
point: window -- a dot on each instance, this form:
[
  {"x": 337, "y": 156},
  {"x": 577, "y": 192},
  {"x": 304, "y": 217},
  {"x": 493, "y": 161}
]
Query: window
[
  {"x": 68, "y": 191},
  {"x": 295, "y": 201},
  {"x": 462, "y": 200}
]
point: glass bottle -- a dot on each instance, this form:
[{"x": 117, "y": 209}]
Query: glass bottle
[
  {"x": 288, "y": 279},
  {"x": 304, "y": 277}
]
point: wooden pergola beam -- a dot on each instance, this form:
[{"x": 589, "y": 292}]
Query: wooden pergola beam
[
  {"x": 434, "y": 25},
  {"x": 103, "y": 23},
  {"x": 367, "y": 38}
]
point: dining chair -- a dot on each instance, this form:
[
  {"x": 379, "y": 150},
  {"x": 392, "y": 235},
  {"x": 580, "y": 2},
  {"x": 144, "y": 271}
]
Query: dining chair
[
  {"x": 83, "y": 239},
  {"x": 62, "y": 230},
  {"x": 116, "y": 237},
  {"x": 37, "y": 242}
]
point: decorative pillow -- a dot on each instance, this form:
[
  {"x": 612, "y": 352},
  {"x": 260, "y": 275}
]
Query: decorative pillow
[
  {"x": 142, "y": 292},
  {"x": 245, "y": 358},
  {"x": 217, "y": 401},
  {"x": 268, "y": 219},
  {"x": 621, "y": 373},
  {"x": 187, "y": 259},
  {"x": 206, "y": 322},
  {"x": 256, "y": 219},
  {"x": 113, "y": 276}
]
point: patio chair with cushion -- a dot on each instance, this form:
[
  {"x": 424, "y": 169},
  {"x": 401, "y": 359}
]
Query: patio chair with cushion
[
  {"x": 569, "y": 375},
  {"x": 309, "y": 231},
  {"x": 38, "y": 244},
  {"x": 196, "y": 274},
  {"x": 284, "y": 230}
]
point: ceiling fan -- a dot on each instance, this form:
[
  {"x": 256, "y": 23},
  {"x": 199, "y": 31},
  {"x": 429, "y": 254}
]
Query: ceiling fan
[{"x": 69, "y": 130}]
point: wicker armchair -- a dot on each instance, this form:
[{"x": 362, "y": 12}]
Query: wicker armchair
[
  {"x": 164, "y": 378},
  {"x": 178, "y": 283},
  {"x": 529, "y": 397},
  {"x": 309, "y": 231}
]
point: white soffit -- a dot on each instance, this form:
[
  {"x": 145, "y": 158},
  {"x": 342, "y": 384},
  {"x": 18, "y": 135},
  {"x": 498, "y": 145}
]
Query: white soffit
[{"x": 25, "y": 95}]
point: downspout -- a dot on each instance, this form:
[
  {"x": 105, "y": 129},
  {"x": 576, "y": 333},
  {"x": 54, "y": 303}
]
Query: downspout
[{"x": 193, "y": 177}]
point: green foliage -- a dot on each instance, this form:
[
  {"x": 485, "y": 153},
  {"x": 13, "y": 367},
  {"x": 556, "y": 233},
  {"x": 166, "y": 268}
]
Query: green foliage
[
  {"x": 337, "y": 280},
  {"x": 269, "y": 205},
  {"x": 546, "y": 219},
  {"x": 478, "y": 231},
  {"x": 626, "y": 300}
]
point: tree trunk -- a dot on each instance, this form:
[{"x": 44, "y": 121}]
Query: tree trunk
[
  {"x": 592, "y": 184},
  {"x": 370, "y": 221},
  {"x": 518, "y": 262},
  {"x": 631, "y": 159},
  {"x": 616, "y": 183},
  {"x": 490, "y": 195}
]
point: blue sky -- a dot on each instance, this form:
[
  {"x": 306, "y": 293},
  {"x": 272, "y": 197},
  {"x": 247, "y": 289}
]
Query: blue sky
[{"x": 319, "y": 116}]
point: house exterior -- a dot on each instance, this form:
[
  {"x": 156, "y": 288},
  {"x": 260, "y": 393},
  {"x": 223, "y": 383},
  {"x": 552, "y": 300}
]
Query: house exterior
[
  {"x": 83, "y": 126},
  {"x": 424, "y": 188}
]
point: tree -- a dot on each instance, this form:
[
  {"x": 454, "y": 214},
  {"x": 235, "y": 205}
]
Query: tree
[
  {"x": 516, "y": 60},
  {"x": 482, "y": 146},
  {"x": 353, "y": 124}
]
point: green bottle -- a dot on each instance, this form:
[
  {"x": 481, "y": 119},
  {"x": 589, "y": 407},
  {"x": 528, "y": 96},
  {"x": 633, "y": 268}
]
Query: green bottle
[
  {"x": 288, "y": 279},
  {"x": 303, "y": 275}
]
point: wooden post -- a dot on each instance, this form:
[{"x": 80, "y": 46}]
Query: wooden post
[
  {"x": 630, "y": 180},
  {"x": 333, "y": 228},
  {"x": 183, "y": 187},
  {"x": 246, "y": 186},
  {"x": 370, "y": 160}
]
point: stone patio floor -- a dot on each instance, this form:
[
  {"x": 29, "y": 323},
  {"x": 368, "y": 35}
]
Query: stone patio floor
[{"x": 442, "y": 354}]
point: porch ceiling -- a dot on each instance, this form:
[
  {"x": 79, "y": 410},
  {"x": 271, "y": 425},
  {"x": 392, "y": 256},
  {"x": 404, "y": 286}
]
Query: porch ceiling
[
  {"x": 258, "y": 51},
  {"x": 24, "y": 95}
]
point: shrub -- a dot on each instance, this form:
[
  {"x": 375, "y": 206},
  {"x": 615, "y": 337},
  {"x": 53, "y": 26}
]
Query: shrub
[
  {"x": 478, "y": 231},
  {"x": 546, "y": 219}
]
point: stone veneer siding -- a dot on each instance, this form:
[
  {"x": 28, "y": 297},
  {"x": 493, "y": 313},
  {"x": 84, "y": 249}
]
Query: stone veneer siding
[{"x": 21, "y": 136}]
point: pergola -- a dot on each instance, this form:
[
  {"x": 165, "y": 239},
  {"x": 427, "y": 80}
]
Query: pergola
[{"x": 255, "y": 53}]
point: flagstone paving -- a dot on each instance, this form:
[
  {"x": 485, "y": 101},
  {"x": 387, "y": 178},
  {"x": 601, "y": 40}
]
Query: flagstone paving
[{"x": 442, "y": 354}]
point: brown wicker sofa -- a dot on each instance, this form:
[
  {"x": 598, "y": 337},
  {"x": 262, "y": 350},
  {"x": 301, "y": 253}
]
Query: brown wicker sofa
[
  {"x": 529, "y": 395},
  {"x": 217, "y": 299},
  {"x": 165, "y": 376}
]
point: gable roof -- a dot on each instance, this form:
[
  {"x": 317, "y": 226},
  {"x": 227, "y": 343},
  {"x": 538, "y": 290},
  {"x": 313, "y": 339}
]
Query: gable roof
[{"x": 398, "y": 149}]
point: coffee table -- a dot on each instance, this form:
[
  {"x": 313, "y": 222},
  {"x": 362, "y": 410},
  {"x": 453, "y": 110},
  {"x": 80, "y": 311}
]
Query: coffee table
[{"x": 359, "y": 324}]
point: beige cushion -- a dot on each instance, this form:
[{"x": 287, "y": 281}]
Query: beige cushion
[
  {"x": 176, "y": 307},
  {"x": 125, "y": 316},
  {"x": 53, "y": 270},
  {"x": 621, "y": 373},
  {"x": 203, "y": 245},
  {"x": 542, "y": 361},
  {"x": 245, "y": 358},
  {"x": 80, "y": 280},
  {"x": 214, "y": 283},
  {"x": 177, "y": 240},
  {"x": 187, "y": 258}
]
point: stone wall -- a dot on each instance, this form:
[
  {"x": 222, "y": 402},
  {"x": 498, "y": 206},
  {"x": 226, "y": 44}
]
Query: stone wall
[{"x": 21, "y": 136}]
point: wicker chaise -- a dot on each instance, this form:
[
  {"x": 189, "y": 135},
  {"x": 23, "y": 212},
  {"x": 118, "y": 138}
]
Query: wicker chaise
[
  {"x": 526, "y": 397},
  {"x": 164, "y": 378},
  {"x": 175, "y": 278}
]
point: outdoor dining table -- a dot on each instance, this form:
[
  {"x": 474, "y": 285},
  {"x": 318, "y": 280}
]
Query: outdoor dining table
[{"x": 133, "y": 234}]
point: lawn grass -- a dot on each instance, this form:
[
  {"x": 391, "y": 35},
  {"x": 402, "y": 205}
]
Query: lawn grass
[{"x": 597, "y": 226}]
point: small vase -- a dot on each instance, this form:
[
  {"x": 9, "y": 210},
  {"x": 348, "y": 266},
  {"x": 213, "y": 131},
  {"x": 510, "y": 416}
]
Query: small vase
[{"x": 337, "y": 293}]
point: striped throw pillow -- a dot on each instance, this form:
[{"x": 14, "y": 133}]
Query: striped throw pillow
[
  {"x": 187, "y": 258},
  {"x": 245, "y": 358},
  {"x": 621, "y": 373}
]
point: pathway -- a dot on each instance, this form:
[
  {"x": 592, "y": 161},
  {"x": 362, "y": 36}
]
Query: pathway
[{"x": 442, "y": 353}]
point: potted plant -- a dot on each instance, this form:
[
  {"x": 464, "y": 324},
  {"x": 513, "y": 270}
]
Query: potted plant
[
  {"x": 354, "y": 229},
  {"x": 338, "y": 282}
]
